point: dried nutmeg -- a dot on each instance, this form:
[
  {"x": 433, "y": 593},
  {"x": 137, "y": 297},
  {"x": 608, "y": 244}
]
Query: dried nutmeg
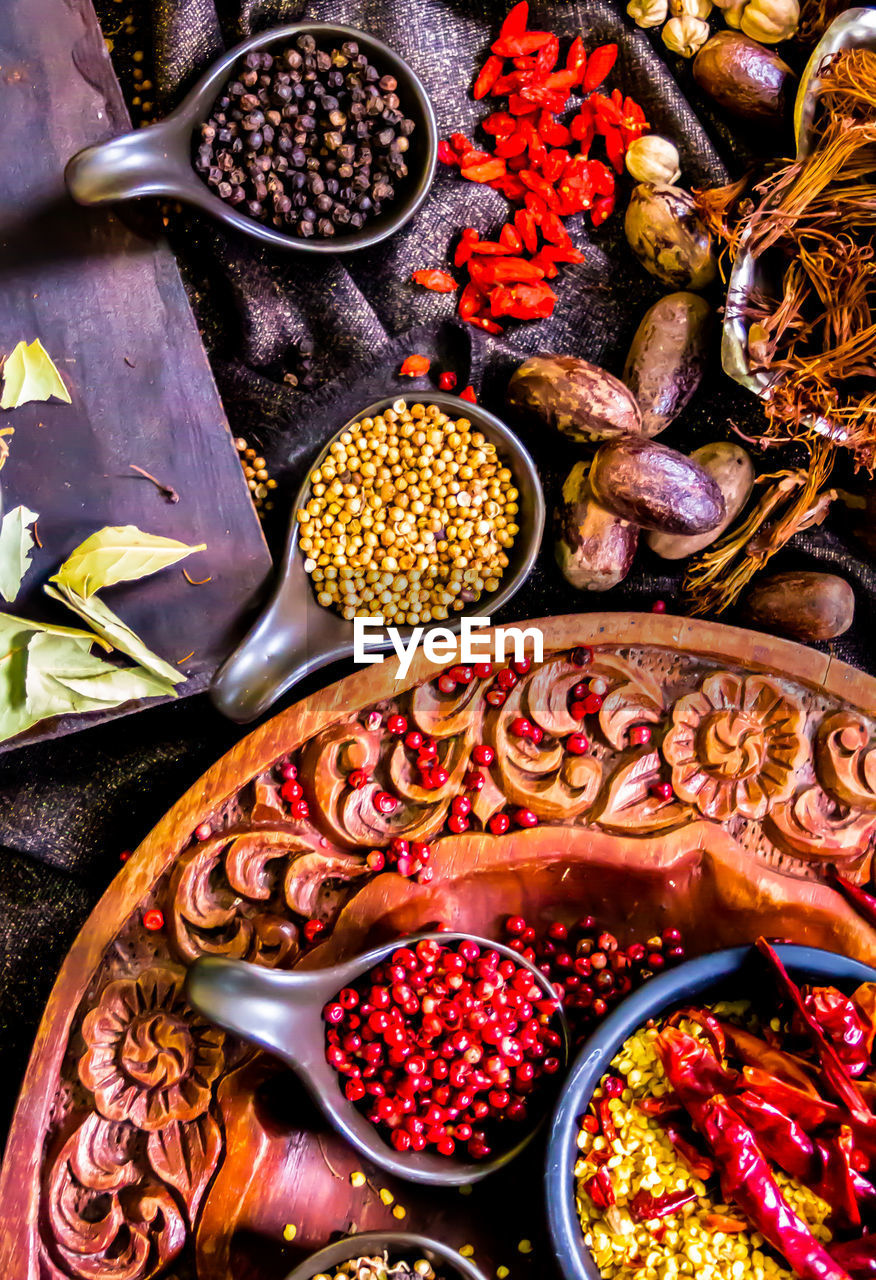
[{"x": 804, "y": 606}]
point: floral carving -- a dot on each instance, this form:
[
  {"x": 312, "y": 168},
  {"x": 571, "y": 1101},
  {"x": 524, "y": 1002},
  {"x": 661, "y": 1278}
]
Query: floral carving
[
  {"x": 149, "y": 1059},
  {"x": 813, "y": 825},
  {"x": 106, "y": 1220},
  {"x": 735, "y": 746},
  {"x": 630, "y": 802},
  {"x": 846, "y": 760},
  {"x": 232, "y": 895}
]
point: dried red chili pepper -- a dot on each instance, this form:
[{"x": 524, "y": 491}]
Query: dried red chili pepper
[
  {"x": 832, "y": 1069},
  {"x": 864, "y": 903},
  {"x": 436, "y": 280},
  {"x": 721, "y": 1222},
  {"x": 490, "y": 271},
  {"x": 700, "y": 1166},
  {"x": 839, "y": 1020},
  {"x": 694, "y": 1065},
  {"x": 804, "y": 1106},
  {"x": 836, "y": 1180},
  {"x": 747, "y": 1181},
  {"x": 599, "y": 64},
  {"x": 864, "y": 999},
  {"x": 415, "y": 366},
  {"x": 469, "y": 394},
  {"x": 446, "y": 154},
  {"x": 779, "y": 1137},
  {"x": 707, "y": 1022},
  {"x": 485, "y": 172},
  {"x": 489, "y": 74},
  {"x": 666, "y": 1105},
  {"x": 755, "y": 1052},
  {"x": 644, "y": 1206},
  {"x": 447, "y": 380},
  {"x": 600, "y": 1190},
  {"x": 858, "y": 1257}
]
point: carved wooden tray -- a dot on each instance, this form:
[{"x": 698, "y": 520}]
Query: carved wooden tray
[{"x": 146, "y": 1142}]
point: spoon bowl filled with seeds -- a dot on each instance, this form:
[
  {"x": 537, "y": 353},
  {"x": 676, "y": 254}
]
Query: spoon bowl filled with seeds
[
  {"x": 310, "y": 136},
  {"x": 386, "y": 1255},
  {"x": 416, "y": 512}
]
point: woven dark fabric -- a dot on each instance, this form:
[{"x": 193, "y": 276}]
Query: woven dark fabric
[{"x": 69, "y": 807}]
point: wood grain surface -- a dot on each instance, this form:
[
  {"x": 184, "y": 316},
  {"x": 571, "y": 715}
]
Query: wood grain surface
[
  {"x": 269, "y": 1158},
  {"x": 108, "y": 303}
]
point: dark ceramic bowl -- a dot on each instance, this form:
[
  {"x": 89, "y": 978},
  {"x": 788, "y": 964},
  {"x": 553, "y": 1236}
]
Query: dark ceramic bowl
[
  {"x": 295, "y": 635},
  {"x": 158, "y": 160},
  {"x": 399, "y": 1245},
  {"x": 730, "y": 974}
]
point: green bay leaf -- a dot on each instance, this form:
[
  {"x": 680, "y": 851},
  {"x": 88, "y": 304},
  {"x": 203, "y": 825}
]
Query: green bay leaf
[
  {"x": 29, "y": 374},
  {"x": 63, "y": 676},
  {"x": 16, "y": 544},
  {"x": 121, "y": 553},
  {"x": 112, "y": 629}
]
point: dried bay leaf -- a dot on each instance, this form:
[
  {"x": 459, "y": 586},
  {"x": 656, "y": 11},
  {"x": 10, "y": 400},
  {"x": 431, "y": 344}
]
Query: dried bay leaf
[
  {"x": 63, "y": 676},
  {"x": 14, "y": 714},
  {"x": 29, "y": 374},
  {"x": 120, "y": 553},
  {"x": 16, "y": 544},
  {"x": 112, "y": 629}
]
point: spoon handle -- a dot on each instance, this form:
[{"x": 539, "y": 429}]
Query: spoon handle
[
  {"x": 276, "y": 1009},
  {"x": 148, "y": 162},
  {"x": 292, "y": 638}
]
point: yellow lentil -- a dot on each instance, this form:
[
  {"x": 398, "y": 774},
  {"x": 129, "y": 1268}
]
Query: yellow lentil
[{"x": 644, "y": 1159}]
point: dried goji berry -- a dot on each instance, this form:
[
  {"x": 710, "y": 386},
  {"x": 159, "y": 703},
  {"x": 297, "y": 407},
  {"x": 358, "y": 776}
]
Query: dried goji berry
[
  {"x": 525, "y": 224},
  {"x": 603, "y": 207},
  {"x": 526, "y": 42},
  {"x": 470, "y": 301},
  {"x": 550, "y": 269},
  {"x": 537, "y": 184},
  {"x": 604, "y": 110},
  {"x": 499, "y": 125},
  {"x": 546, "y": 58},
  {"x": 615, "y": 149},
  {"x": 554, "y": 166},
  {"x": 415, "y": 366},
  {"x": 582, "y": 128},
  {"x": 489, "y": 248},
  {"x": 484, "y": 172},
  {"x": 465, "y": 247},
  {"x": 436, "y": 280},
  {"x": 509, "y": 236},
  {"x": 484, "y": 322},
  {"x": 515, "y": 20},
  {"x": 576, "y": 58},
  {"x": 447, "y": 380},
  {"x": 601, "y": 177},
  {"x": 520, "y": 107},
  {"x": 559, "y": 253},
  {"x": 552, "y": 132},
  {"x": 552, "y": 229},
  {"x": 599, "y": 64},
  {"x": 513, "y": 145},
  {"x": 489, "y": 74},
  {"x": 523, "y": 301},
  {"x": 473, "y": 157},
  {"x": 469, "y": 394},
  {"x": 460, "y": 143},
  {"x": 490, "y": 271},
  {"x": 510, "y": 186},
  {"x": 446, "y": 154},
  {"x": 506, "y": 84}
]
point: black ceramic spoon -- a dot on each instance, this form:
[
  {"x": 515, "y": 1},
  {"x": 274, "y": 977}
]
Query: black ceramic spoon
[
  {"x": 157, "y": 161},
  {"x": 399, "y": 1245},
  {"x": 281, "y": 1011},
  {"x": 295, "y": 635}
]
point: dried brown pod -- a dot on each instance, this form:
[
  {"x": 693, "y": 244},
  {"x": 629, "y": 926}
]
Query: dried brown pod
[{"x": 804, "y": 606}]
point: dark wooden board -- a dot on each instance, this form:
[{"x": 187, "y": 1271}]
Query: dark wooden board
[{"x": 109, "y": 306}]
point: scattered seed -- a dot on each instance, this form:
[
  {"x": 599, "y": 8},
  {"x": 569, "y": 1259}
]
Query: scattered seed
[{"x": 290, "y": 1231}]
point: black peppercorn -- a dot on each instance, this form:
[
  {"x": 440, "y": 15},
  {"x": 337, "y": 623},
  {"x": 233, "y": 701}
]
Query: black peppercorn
[{"x": 312, "y": 140}]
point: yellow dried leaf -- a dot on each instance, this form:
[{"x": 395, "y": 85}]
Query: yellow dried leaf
[{"x": 29, "y": 374}]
